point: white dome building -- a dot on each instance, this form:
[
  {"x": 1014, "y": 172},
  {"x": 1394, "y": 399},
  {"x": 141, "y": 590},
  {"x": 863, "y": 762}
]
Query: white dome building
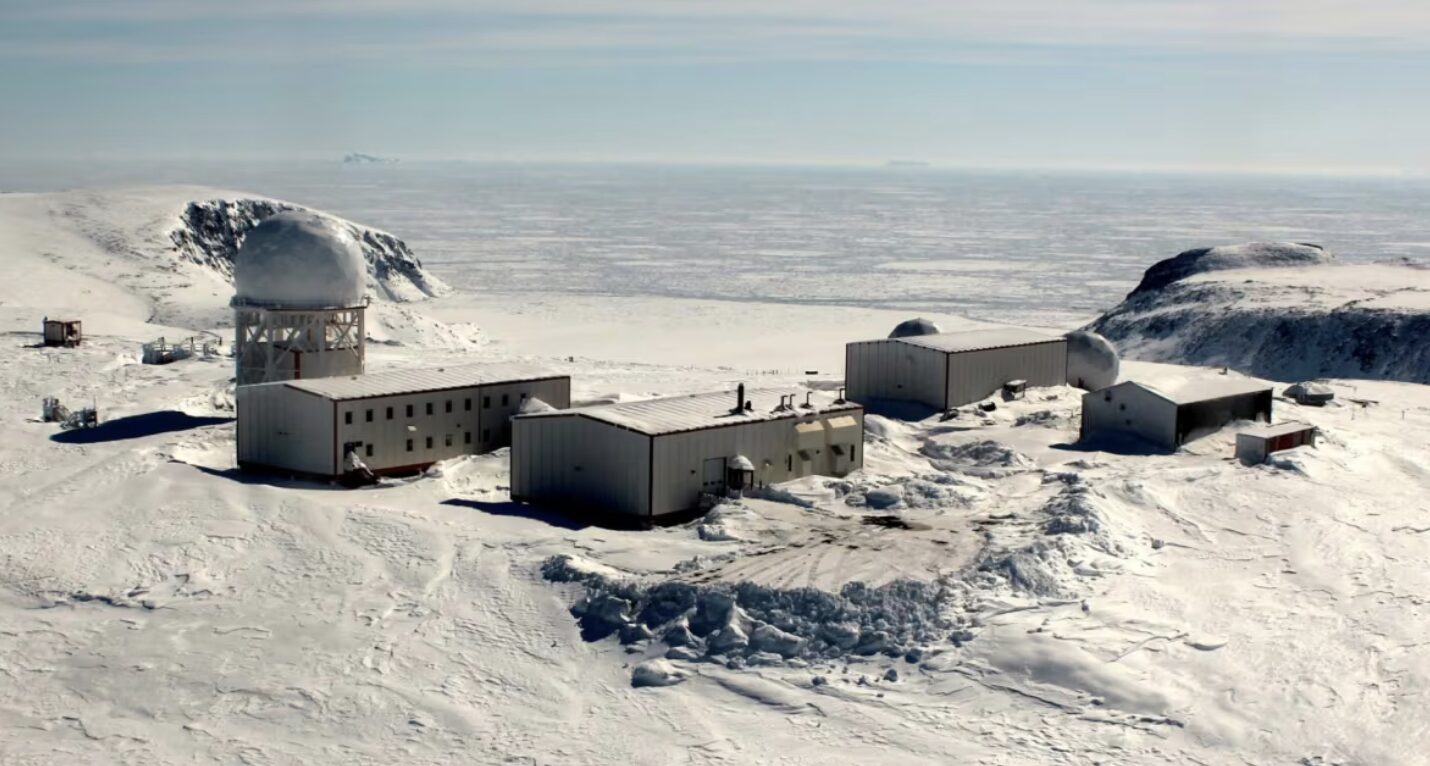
[
  {"x": 1093, "y": 363},
  {"x": 298, "y": 300},
  {"x": 913, "y": 327},
  {"x": 299, "y": 260}
]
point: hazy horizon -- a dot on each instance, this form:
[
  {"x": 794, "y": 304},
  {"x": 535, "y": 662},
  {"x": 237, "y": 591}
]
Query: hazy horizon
[{"x": 1203, "y": 86}]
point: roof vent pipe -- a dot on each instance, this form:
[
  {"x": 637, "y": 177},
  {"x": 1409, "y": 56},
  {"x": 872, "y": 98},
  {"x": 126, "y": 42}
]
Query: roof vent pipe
[
  {"x": 840, "y": 400},
  {"x": 740, "y": 397},
  {"x": 807, "y": 395}
]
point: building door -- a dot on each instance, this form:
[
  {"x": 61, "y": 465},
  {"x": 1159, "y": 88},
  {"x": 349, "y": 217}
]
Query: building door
[{"x": 714, "y": 476}]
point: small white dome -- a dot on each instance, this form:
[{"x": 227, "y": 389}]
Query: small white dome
[
  {"x": 299, "y": 259},
  {"x": 912, "y": 327},
  {"x": 1093, "y": 363}
]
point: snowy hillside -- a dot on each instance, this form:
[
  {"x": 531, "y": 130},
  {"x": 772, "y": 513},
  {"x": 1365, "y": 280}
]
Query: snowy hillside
[
  {"x": 158, "y": 254},
  {"x": 986, "y": 590},
  {"x": 1262, "y": 314}
]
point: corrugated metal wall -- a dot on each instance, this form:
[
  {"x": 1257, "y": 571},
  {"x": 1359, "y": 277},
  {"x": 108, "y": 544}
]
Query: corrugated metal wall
[
  {"x": 1132, "y": 410},
  {"x": 974, "y": 375},
  {"x": 500, "y": 402},
  {"x": 569, "y": 460},
  {"x": 279, "y": 427},
  {"x": 888, "y": 369},
  {"x": 773, "y": 447}
]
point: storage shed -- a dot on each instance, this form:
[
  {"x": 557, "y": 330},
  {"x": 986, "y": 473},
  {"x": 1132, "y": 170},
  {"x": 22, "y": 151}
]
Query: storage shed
[
  {"x": 62, "y": 332},
  {"x": 1173, "y": 413},
  {"x": 1254, "y": 444},
  {"x": 644, "y": 461},
  {"x": 952, "y": 369},
  {"x": 393, "y": 422}
]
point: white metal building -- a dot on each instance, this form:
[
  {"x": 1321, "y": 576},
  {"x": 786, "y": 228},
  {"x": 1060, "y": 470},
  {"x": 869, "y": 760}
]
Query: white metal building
[
  {"x": 298, "y": 302},
  {"x": 653, "y": 459},
  {"x": 394, "y": 422},
  {"x": 1171, "y": 414},
  {"x": 947, "y": 370}
]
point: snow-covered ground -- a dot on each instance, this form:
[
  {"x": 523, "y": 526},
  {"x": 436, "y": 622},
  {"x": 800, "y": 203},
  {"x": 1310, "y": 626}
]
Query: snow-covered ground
[{"x": 1023, "y": 600}]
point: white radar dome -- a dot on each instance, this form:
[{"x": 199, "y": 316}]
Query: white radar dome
[
  {"x": 911, "y": 327},
  {"x": 299, "y": 260},
  {"x": 1092, "y": 361}
]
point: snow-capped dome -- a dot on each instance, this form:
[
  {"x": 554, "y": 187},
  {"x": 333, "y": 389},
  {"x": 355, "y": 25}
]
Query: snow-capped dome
[
  {"x": 918, "y": 326},
  {"x": 299, "y": 259},
  {"x": 1092, "y": 361},
  {"x": 741, "y": 463}
]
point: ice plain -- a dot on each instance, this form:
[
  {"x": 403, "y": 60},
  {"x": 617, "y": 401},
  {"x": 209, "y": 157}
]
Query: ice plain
[{"x": 1071, "y": 606}]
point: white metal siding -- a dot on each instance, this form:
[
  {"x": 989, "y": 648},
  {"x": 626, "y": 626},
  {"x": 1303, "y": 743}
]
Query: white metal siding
[
  {"x": 773, "y": 446},
  {"x": 1127, "y": 408},
  {"x": 499, "y": 402},
  {"x": 889, "y": 369},
  {"x": 974, "y": 375},
  {"x": 573, "y": 461},
  {"x": 279, "y": 427}
]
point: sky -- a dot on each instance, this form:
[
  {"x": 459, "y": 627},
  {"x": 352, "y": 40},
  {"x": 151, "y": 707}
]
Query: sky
[{"x": 1259, "y": 85}]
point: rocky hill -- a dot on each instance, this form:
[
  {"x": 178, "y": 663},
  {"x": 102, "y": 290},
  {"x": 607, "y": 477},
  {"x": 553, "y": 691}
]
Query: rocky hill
[
  {"x": 1283, "y": 312},
  {"x": 209, "y": 233}
]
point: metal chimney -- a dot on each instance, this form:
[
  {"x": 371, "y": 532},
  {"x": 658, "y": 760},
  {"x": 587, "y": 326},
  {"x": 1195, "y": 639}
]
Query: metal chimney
[{"x": 740, "y": 397}]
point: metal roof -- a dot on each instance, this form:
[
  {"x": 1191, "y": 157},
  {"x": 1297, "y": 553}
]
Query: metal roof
[
  {"x": 980, "y": 340},
  {"x": 1202, "y": 388},
  {"x": 1280, "y": 429},
  {"x": 396, "y": 382},
  {"x": 674, "y": 414}
]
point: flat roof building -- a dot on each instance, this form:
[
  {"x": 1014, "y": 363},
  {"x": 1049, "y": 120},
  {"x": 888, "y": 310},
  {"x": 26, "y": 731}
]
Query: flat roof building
[
  {"x": 1254, "y": 444},
  {"x": 645, "y": 461},
  {"x": 947, "y": 370},
  {"x": 1173, "y": 413},
  {"x": 393, "y": 422}
]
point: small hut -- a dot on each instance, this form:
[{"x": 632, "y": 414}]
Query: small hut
[{"x": 62, "y": 332}]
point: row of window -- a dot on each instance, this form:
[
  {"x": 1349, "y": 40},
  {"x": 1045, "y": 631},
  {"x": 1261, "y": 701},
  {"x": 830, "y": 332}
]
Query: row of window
[{"x": 466, "y": 406}]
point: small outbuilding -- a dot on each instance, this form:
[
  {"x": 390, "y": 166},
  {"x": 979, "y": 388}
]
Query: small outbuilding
[
  {"x": 388, "y": 422},
  {"x": 62, "y": 332},
  {"x": 1254, "y": 444},
  {"x": 1174, "y": 413},
  {"x": 947, "y": 370},
  {"x": 641, "y": 462}
]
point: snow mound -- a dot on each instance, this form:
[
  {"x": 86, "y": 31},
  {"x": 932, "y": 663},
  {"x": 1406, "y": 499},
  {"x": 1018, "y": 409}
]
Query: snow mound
[
  {"x": 746, "y": 623},
  {"x": 1249, "y": 255},
  {"x": 656, "y": 673},
  {"x": 210, "y": 232},
  {"x": 1074, "y": 531},
  {"x": 977, "y": 454}
]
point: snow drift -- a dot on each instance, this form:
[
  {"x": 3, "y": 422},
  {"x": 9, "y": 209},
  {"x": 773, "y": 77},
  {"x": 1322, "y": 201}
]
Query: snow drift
[{"x": 1254, "y": 309}]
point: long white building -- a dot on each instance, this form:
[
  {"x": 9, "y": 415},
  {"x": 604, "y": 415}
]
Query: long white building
[
  {"x": 394, "y": 422},
  {"x": 653, "y": 459},
  {"x": 947, "y": 370}
]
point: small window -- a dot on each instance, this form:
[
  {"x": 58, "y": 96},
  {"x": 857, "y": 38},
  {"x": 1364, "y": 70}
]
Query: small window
[
  {"x": 368, "y": 450},
  {"x": 467, "y": 437},
  {"x": 347, "y": 418},
  {"x": 505, "y": 399},
  {"x": 467, "y": 404},
  {"x": 409, "y": 445},
  {"x": 1107, "y": 397},
  {"x": 429, "y": 408},
  {"x": 368, "y": 417},
  {"x": 1122, "y": 407},
  {"x": 409, "y": 410},
  {"x": 449, "y": 405},
  {"x": 486, "y": 434},
  {"x": 449, "y": 440},
  {"x": 789, "y": 462},
  {"x": 523, "y": 396},
  {"x": 486, "y": 402},
  {"x": 429, "y": 442},
  {"x": 389, "y": 413}
]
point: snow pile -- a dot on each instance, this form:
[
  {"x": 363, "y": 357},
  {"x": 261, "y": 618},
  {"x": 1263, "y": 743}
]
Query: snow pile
[
  {"x": 1250, "y": 255},
  {"x": 1070, "y": 531},
  {"x": 925, "y": 491},
  {"x": 210, "y": 232},
  {"x": 1283, "y": 323},
  {"x": 984, "y": 454},
  {"x": 748, "y": 624},
  {"x": 656, "y": 673}
]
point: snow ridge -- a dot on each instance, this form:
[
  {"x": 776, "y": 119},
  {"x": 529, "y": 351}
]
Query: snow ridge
[
  {"x": 211, "y": 231},
  {"x": 1205, "y": 259}
]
